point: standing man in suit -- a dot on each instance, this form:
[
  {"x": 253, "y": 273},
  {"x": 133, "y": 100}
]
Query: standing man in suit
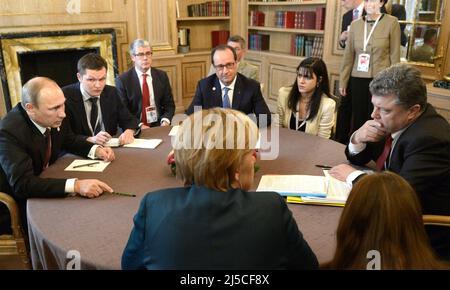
[
  {"x": 93, "y": 108},
  {"x": 355, "y": 10},
  {"x": 146, "y": 90},
  {"x": 344, "y": 116},
  {"x": 32, "y": 136},
  {"x": 230, "y": 89},
  {"x": 247, "y": 69},
  {"x": 408, "y": 137}
]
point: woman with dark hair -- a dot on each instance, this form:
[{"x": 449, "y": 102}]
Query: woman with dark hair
[
  {"x": 383, "y": 215},
  {"x": 307, "y": 105}
]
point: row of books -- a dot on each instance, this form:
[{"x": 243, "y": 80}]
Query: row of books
[
  {"x": 302, "y": 45},
  {"x": 306, "y": 19},
  {"x": 258, "y": 41},
  {"x": 209, "y": 8}
]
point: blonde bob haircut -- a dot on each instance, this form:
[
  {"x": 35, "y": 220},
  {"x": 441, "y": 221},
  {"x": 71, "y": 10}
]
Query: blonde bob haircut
[{"x": 210, "y": 146}]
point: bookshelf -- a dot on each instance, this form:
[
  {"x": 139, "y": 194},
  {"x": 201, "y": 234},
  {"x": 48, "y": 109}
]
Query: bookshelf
[
  {"x": 200, "y": 18},
  {"x": 291, "y": 28}
]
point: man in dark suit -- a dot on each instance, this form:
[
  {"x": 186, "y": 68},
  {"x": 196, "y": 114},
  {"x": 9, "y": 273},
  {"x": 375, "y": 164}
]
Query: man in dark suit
[
  {"x": 230, "y": 89},
  {"x": 355, "y": 10},
  {"x": 408, "y": 137},
  {"x": 156, "y": 87},
  {"x": 32, "y": 136},
  {"x": 344, "y": 116},
  {"x": 93, "y": 108}
]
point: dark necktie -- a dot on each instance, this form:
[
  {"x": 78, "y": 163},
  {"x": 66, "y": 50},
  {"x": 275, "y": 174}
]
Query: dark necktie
[
  {"x": 385, "y": 154},
  {"x": 145, "y": 99},
  {"x": 226, "y": 99},
  {"x": 94, "y": 116},
  {"x": 48, "y": 150}
]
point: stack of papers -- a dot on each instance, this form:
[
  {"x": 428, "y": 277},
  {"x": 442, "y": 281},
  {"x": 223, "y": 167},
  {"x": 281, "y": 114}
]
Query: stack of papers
[
  {"x": 138, "y": 143},
  {"x": 324, "y": 190}
]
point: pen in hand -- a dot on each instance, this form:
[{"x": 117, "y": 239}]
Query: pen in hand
[
  {"x": 86, "y": 164},
  {"x": 324, "y": 166}
]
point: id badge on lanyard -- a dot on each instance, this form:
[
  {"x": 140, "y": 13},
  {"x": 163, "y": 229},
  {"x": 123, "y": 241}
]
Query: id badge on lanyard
[
  {"x": 151, "y": 114},
  {"x": 364, "y": 58}
]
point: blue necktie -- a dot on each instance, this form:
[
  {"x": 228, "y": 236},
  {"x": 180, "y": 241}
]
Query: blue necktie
[{"x": 226, "y": 99}]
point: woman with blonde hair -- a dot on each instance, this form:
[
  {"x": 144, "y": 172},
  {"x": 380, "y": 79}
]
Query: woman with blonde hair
[
  {"x": 214, "y": 222},
  {"x": 383, "y": 214}
]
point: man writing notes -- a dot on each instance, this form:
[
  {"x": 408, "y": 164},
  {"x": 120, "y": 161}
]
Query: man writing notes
[
  {"x": 93, "y": 108},
  {"x": 230, "y": 89},
  {"x": 146, "y": 90},
  {"x": 32, "y": 136},
  {"x": 408, "y": 137}
]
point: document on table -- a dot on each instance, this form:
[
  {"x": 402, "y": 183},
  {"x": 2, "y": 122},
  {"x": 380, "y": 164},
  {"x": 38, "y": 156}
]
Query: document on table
[
  {"x": 144, "y": 143},
  {"x": 85, "y": 165},
  {"x": 307, "y": 188},
  {"x": 138, "y": 143}
]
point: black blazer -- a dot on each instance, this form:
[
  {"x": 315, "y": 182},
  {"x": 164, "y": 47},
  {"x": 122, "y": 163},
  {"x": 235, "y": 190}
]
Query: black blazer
[
  {"x": 347, "y": 19},
  {"x": 421, "y": 156},
  {"x": 199, "y": 228},
  {"x": 247, "y": 96},
  {"x": 130, "y": 93},
  {"x": 22, "y": 152},
  {"x": 114, "y": 113}
]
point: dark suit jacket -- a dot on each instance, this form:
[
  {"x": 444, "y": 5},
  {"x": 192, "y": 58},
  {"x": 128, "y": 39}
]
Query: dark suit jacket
[
  {"x": 131, "y": 94},
  {"x": 247, "y": 96},
  {"x": 114, "y": 113},
  {"x": 198, "y": 228},
  {"x": 22, "y": 152},
  {"x": 347, "y": 19},
  {"x": 421, "y": 156}
]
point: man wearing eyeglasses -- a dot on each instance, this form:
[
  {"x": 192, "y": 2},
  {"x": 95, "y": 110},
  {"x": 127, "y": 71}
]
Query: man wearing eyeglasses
[
  {"x": 229, "y": 89},
  {"x": 146, "y": 90},
  {"x": 93, "y": 108}
]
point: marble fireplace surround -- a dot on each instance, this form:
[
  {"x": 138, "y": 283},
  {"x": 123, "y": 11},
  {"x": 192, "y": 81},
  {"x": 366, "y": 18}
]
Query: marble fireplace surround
[{"x": 11, "y": 45}]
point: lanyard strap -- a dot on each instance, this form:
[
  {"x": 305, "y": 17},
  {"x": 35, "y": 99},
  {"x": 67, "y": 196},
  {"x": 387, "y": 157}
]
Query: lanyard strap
[{"x": 367, "y": 38}]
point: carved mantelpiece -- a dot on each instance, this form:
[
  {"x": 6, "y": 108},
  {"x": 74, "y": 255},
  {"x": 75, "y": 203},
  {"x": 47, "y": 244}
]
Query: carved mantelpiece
[{"x": 12, "y": 45}]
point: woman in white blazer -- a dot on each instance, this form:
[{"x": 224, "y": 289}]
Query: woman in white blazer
[{"x": 306, "y": 105}]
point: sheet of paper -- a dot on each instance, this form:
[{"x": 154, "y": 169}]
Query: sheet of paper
[
  {"x": 174, "y": 131},
  {"x": 113, "y": 142},
  {"x": 144, "y": 143},
  {"x": 89, "y": 165},
  {"x": 337, "y": 190},
  {"x": 294, "y": 185}
]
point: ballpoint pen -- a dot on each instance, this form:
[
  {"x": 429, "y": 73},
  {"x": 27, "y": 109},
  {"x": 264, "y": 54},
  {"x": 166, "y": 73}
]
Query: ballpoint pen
[
  {"x": 324, "y": 166},
  {"x": 86, "y": 164},
  {"x": 123, "y": 193}
]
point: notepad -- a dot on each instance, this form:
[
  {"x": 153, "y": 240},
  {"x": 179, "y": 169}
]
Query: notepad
[
  {"x": 98, "y": 167},
  {"x": 310, "y": 188},
  {"x": 144, "y": 143}
]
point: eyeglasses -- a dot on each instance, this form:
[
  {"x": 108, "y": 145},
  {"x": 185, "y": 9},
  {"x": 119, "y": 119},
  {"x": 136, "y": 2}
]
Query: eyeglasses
[
  {"x": 229, "y": 65},
  {"x": 93, "y": 81},
  {"x": 141, "y": 54}
]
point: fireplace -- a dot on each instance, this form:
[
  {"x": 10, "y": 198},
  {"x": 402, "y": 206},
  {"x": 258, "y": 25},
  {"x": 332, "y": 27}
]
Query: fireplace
[{"x": 51, "y": 54}]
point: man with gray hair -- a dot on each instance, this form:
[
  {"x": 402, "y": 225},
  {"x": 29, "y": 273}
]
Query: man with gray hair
[
  {"x": 32, "y": 136},
  {"x": 146, "y": 90},
  {"x": 408, "y": 137}
]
